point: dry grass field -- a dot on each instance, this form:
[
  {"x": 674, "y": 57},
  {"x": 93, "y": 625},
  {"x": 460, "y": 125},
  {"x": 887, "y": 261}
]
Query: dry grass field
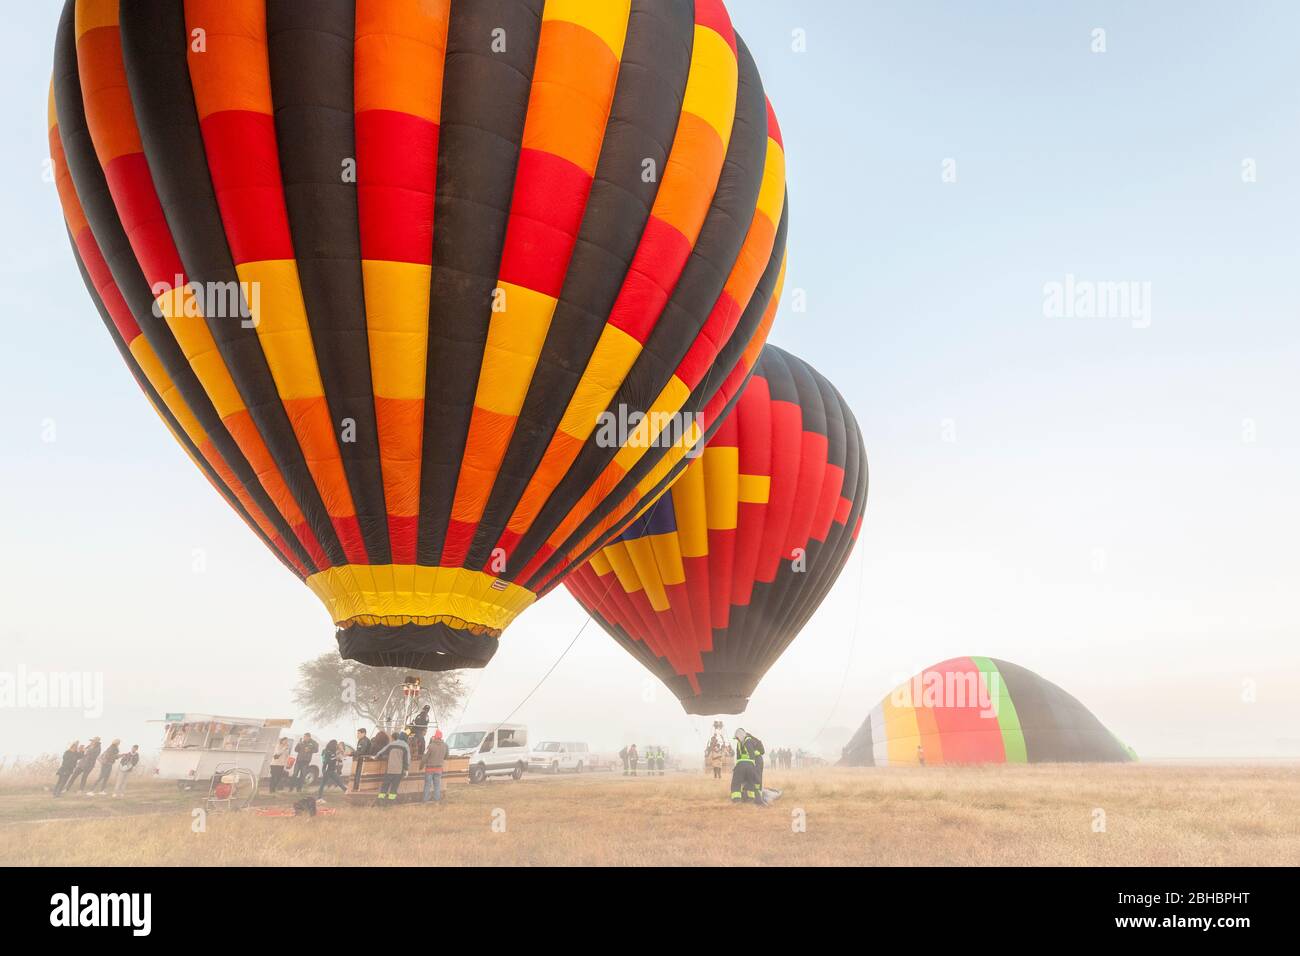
[{"x": 1153, "y": 815}]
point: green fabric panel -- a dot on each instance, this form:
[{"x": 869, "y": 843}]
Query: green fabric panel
[{"x": 1013, "y": 737}]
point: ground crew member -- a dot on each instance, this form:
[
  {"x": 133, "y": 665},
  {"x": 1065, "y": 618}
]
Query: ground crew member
[
  {"x": 632, "y": 757},
  {"x": 659, "y": 761},
  {"x": 622, "y": 755},
  {"x": 746, "y": 785}
]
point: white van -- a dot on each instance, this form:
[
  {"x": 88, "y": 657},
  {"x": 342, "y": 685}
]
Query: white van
[
  {"x": 492, "y": 749},
  {"x": 552, "y": 756}
]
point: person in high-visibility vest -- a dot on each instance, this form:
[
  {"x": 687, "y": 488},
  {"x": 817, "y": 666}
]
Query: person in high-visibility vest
[
  {"x": 659, "y": 761},
  {"x": 746, "y": 785}
]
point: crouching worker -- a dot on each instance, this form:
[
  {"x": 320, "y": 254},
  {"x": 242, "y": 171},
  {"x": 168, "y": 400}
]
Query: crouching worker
[
  {"x": 398, "y": 754},
  {"x": 435, "y": 755},
  {"x": 746, "y": 785}
]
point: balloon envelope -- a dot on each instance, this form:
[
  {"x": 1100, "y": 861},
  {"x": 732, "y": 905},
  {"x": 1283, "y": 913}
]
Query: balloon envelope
[
  {"x": 714, "y": 580},
  {"x": 971, "y": 710},
  {"x": 382, "y": 266}
]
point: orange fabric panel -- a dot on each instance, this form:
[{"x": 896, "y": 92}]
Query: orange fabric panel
[
  {"x": 401, "y": 427},
  {"x": 690, "y": 176},
  {"x": 245, "y": 433},
  {"x": 555, "y": 463},
  {"x": 491, "y": 433},
  {"x": 314, "y": 429},
  {"x": 239, "y": 77},
  {"x": 109, "y": 112},
  {"x": 573, "y": 87}
]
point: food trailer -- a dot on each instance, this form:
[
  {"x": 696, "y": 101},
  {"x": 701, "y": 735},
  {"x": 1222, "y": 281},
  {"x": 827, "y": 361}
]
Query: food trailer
[{"x": 197, "y": 746}]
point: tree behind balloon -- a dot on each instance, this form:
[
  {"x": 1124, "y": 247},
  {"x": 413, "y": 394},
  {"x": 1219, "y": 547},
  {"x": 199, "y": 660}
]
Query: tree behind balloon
[{"x": 330, "y": 689}]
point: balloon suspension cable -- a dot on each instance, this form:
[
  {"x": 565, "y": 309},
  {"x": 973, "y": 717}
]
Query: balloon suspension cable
[
  {"x": 564, "y": 654},
  {"x": 844, "y": 677}
]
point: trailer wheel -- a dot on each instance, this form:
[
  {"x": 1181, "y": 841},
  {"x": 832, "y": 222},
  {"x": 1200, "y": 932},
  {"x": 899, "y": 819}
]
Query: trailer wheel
[
  {"x": 311, "y": 777},
  {"x": 184, "y": 785},
  {"x": 579, "y": 770},
  {"x": 555, "y": 767},
  {"x": 518, "y": 772},
  {"x": 477, "y": 774}
]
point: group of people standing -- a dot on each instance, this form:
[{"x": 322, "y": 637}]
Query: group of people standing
[
  {"x": 80, "y": 760},
  {"x": 401, "y": 752},
  {"x": 655, "y": 758},
  {"x": 784, "y": 757}
]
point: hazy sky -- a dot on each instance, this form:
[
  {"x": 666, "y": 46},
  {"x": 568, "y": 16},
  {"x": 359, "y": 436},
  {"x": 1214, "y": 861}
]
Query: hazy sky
[{"x": 1109, "y": 501}]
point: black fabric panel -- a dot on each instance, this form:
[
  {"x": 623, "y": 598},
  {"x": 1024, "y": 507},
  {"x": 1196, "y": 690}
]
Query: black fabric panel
[
  {"x": 311, "y": 51},
  {"x": 1058, "y": 728},
  {"x": 426, "y": 647},
  {"x": 156, "y": 400},
  {"x": 154, "y": 45},
  {"x": 860, "y": 751},
  {"x": 728, "y": 359},
  {"x": 101, "y": 214},
  {"x": 642, "y": 122},
  {"x": 702, "y": 281},
  {"x": 484, "y": 104}
]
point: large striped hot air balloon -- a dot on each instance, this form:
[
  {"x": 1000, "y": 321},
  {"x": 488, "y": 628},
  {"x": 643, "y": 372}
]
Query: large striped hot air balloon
[
  {"x": 973, "y": 710},
  {"x": 714, "y": 580},
  {"x": 382, "y": 265}
]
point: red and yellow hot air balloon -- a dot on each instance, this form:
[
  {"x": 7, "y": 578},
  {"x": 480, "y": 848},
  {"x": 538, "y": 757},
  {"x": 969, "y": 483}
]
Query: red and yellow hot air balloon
[
  {"x": 381, "y": 265},
  {"x": 713, "y": 581}
]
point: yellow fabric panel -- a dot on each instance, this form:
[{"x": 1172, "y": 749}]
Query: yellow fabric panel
[
  {"x": 397, "y": 324},
  {"x": 200, "y": 349},
  {"x": 281, "y": 321},
  {"x": 690, "y": 505},
  {"x": 755, "y": 489},
  {"x": 355, "y": 590},
  {"x": 94, "y": 13},
  {"x": 600, "y": 564},
  {"x": 152, "y": 368},
  {"x": 722, "y": 484},
  {"x": 51, "y": 110},
  {"x": 902, "y": 732},
  {"x": 712, "y": 82},
  {"x": 611, "y": 360},
  {"x": 668, "y": 557},
  {"x": 607, "y": 19},
  {"x": 624, "y": 570},
  {"x": 771, "y": 192},
  {"x": 658, "y": 415},
  {"x": 515, "y": 337},
  {"x": 647, "y": 570}
]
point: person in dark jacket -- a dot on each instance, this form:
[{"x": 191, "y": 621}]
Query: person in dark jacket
[
  {"x": 359, "y": 756},
  {"x": 399, "y": 761},
  {"x": 435, "y": 756},
  {"x": 70, "y": 758},
  {"x": 303, "y": 753},
  {"x": 419, "y": 728},
  {"x": 622, "y": 755},
  {"x": 382, "y": 740},
  {"x": 632, "y": 757},
  {"x": 746, "y": 784},
  {"x": 85, "y": 764},
  {"x": 107, "y": 761},
  {"x": 331, "y": 760}
]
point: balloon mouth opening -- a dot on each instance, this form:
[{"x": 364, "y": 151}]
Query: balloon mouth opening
[
  {"x": 436, "y": 646},
  {"x": 707, "y": 705}
]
